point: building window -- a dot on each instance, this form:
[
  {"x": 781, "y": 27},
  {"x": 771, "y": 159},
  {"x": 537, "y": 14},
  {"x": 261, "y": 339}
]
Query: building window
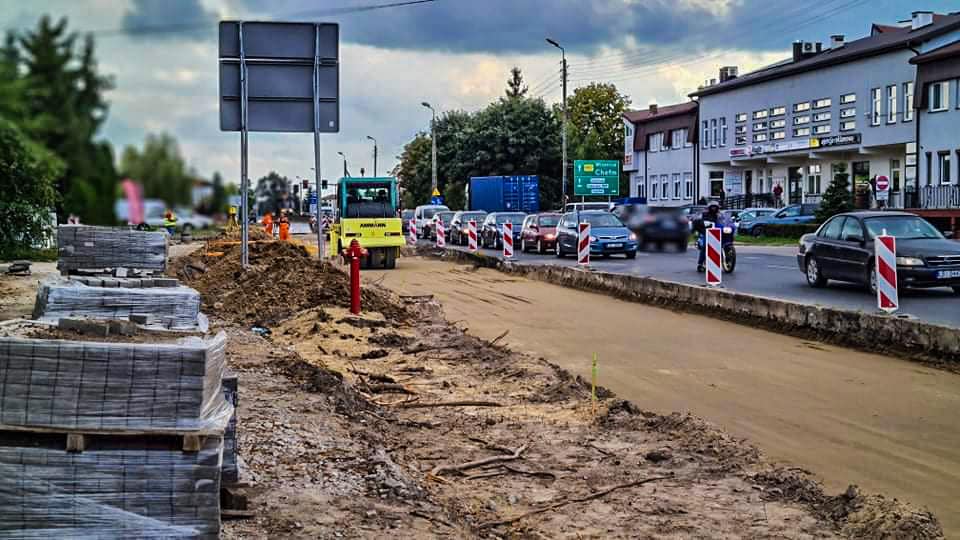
[
  {"x": 774, "y": 124},
  {"x": 778, "y": 111},
  {"x": 877, "y": 104},
  {"x": 741, "y": 140},
  {"x": 800, "y": 107},
  {"x": 759, "y": 115},
  {"x": 741, "y": 117},
  {"x": 821, "y": 130},
  {"x": 759, "y": 137},
  {"x": 813, "y": 180},
  {"x": 821, "y": 103},
  {"x": 713, "y": 127},
  {"x": 679, "y": 137},
  {"x": 848, "y": 98},
  {"x": 800, "y": 120},
  {"x": 929, "y": 167},
  {"x": 654, "y": 188},
  {"x": 688, "y": 185},
  {"x": 801, "y": 132},
  {"x": 723, "y": 131},
  {"x": 895, "y": 174},
  {"x": 761, "y": 185},
  {"x": 939, "y": 96},
  {"x": 676, "y": 185},
  {"x": 740, "y": 130},
  {"x": 891, "y": 103},
  {"x": 664, "y": 186},
  {"x": 848, "y": 125},
  {"x": 943, "y": 161},
  {"x": 907, "y": 101},
  {"x": 848, "y": 113},
  {"x": 778, "y": 135},
  {"x": 705, "y": 143},
  {"x": 641, "y": 187},
  {"x": 760, "y": 126},
  {"x": 655, "y": 142},
  {"x": 821, "y": 117},
  {"x": 627, "y": 131}
]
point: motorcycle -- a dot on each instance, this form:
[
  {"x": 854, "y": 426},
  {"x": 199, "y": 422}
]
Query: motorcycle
[{"x": 728, "y": 262}]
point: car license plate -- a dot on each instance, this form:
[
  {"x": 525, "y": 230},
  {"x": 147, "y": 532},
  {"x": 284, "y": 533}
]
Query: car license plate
[
  {"x": 948, "y": 274},
  {"x": 669, "y": 225},
  {"x": 614, "y": 246}
]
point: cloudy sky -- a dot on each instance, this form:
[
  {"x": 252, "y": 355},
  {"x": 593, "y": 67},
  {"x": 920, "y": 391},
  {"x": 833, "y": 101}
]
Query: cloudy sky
[{"x": 452, "y": 53}]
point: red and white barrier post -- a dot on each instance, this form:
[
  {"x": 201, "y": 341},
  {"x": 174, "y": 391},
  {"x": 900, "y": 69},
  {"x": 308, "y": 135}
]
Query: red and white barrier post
[
  {"x": 888, "y": 298},
  {"x": 441, "y": 235},
  {"x": 714, "y": 256},
  {"x": 583, "y": 244},
  {"x": 472, "y": 235},
  {"x": 508, "y": 240},
  {"x": 412, "y": 232}
]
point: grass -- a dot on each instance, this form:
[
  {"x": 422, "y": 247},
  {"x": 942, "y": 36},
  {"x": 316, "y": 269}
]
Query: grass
[
  {"x": 767, "y": 240},
  {"x": 29, "y": 254}
]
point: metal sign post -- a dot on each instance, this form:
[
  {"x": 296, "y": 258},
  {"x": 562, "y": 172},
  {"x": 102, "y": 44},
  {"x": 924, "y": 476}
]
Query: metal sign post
[
  {"x": 244, "y": 180},
  {"x": 321, "y": 247}
]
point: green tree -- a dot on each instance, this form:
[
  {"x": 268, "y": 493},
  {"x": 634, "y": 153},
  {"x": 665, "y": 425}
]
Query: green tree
[
  {"x": 413, "y": 171},
  {"x": 64, "y": 110},
  {"x": 27, "y": 180},
  {"x": 596, "y": 124},
  {"x": 272, "y": 193},
  {"x": 218, "y": 202},
  {"x": 12, "y": 83},
  {"x": 160, "y": 168},
  {"x": 515, "y": 86},
  {"x": 837, "y": 198}
]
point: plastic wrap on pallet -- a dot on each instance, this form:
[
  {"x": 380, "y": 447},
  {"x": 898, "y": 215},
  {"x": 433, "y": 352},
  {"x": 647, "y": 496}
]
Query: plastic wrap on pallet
[
  {"x": 86, "y": 247},
  {"x": 127, "y": 487},
  {"x": 175, "y": 308},
  {"x": 114, "y": 386},
  {"x": 231, "y": 470}
]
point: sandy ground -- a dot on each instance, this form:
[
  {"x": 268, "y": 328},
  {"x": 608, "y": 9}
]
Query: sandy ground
[
  {"x": 886, "y": 424},
  {"x": 17, "y": 293}
]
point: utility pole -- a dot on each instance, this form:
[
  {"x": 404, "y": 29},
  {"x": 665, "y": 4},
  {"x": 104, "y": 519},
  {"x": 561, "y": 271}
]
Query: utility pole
[
  {"x": 374, "y": 155},
  {"x": 433, "y": 140},
  {"x": 345, "y": 173},
  {"x": 563, "y": 56}
]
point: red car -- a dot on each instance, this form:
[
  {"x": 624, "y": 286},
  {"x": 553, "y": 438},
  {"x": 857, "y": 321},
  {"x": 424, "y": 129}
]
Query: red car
[{"x": 539, "y": 232}]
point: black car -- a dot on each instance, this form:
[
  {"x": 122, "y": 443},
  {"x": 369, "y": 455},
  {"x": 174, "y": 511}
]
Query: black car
[
  {"x": 842, "y": 249},
  {"x": 490, "y": 232},
  {"x": 457, "y": 234},
  {"x": 656, "y": 225},
  {"x": 431, "y": 228},
  {"x": 405, "y": 218}
]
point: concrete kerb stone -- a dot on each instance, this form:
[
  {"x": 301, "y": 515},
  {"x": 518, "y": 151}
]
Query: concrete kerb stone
[{"x": 868, "y": 331}]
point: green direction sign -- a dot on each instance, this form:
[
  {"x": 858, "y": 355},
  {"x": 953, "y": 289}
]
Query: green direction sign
[{"x": 596, "y": 177}]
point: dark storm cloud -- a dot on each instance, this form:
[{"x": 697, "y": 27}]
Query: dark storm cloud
[{"x": 168, "y": 19}]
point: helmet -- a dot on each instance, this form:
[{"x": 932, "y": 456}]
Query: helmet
[
  {"x": 713, "y": 205},
  {"x": 168, "y": 215}
]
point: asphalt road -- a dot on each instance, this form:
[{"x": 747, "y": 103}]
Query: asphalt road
[{"x": 764, "y": 271}]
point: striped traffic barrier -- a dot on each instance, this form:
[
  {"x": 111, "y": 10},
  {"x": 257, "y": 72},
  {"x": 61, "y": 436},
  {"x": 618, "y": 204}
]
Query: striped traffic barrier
[
  {"x": 441, "y": 235},
  {"x": 583, "y": 245},
  {"x": 412, "y": 232},
  {"x": 714, "y": 256},
  {"x": 472, "y": 235},
  {"x": 508, "y": 240},
  {"x": 888, "y": 298}
]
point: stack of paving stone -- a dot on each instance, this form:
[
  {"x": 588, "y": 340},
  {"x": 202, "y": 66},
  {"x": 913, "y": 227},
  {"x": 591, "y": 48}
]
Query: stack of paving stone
[
  {"x": 174, "y": 308},
  {"x": 82, "y": 247},
  {"x": 145, "y": 424},
  {"x": 231, "y": 468}
]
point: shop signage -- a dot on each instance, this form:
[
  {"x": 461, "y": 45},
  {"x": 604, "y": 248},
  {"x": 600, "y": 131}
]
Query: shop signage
[
  {"x": 835, "y": 140},
  {"x": 739, "y": 152}
]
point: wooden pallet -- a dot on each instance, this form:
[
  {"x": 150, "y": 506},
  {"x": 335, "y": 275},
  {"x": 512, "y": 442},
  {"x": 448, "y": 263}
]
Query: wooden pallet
[{"x": 76, "y": 439}]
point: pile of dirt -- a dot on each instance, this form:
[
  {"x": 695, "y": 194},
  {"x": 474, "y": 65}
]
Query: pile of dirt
[{"x": 282, "y": 279}]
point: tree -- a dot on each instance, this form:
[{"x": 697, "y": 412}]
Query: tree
[
  {"x": 160, "y": 168},
  {"x": 218, "y": 202},
  {"x": 596, "y": 124},
  {"x": 515, "y": 86},
  {"x": 837, "y": 198},
  {"x": 413, "y": 171},
  {"x": 272, "y": 193},
  {"x": 27, "y": 180}
]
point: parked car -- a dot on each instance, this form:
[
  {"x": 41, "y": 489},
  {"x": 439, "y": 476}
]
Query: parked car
[
  {"x": 458, "y": 225},
  {"x": 794, "y": 214},
  {"x": 842, "y": 249},
  {"x": 654, "y": 224},
  {"x": 539, "y": 232},
  {"x": 431, "y": 228},
  {"x": 189, "y": 220},
  {"x": 608, "y": 235},
  {"x": 422, "y": 215},
  {"x": 584, "y": 206},
  {"x": 748, "y": 217},
  {"x": 492, "y": 229},
  {"x": 405, "y": 218}
]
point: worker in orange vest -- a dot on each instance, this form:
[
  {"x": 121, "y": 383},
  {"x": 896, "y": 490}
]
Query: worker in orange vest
[
  {"x": 284, "y": 226},
  {"x": 268, "y": 224}
]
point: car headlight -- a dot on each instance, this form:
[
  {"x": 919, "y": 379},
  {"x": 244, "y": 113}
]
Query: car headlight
[
  {"x": 633, "y": 236},
  {"x": 549, "y": 236},
  {"x": 728, "y": 230},
  {"x": 909, "y": 261},
  {"x": 593, "y": 238}
]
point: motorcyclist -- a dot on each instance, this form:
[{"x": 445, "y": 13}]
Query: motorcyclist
[{"x": 712, "y": 215}]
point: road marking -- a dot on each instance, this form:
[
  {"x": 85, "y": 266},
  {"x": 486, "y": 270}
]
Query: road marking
[{"x": 781, "y": 266}]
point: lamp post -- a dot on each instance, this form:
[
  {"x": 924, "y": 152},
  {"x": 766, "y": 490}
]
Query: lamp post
[
  {"x": 433, "y": 140},
  {"x": 563, "y": 187},
  {"x": 345, "y": 173},
  {"x": 374, "y": 155}
]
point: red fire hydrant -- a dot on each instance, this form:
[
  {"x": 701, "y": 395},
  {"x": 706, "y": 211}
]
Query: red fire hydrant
[{"x": 354, "y": 252}]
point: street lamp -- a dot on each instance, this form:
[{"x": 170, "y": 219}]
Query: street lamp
[
  {"x": 563, "y": 56},
  {"x": 374, "y": 155},
  {"x": 433, "y": 140}
]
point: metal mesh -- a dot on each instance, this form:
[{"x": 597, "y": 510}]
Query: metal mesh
[{"x": 86, "y": 247}]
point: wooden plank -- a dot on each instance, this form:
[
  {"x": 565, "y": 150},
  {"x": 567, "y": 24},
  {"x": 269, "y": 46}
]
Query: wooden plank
[
  {"x": 76, "y": 442},
  {"x": 192, "y": 443},
  {"x": 115, "y": 431}
]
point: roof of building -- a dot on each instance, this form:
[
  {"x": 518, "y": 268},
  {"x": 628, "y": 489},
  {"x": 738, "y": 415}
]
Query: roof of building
[
  {"x": 886, "y": 40},
  {"x": 645, "y": 115},
  {"x": 951, "y": 50}
]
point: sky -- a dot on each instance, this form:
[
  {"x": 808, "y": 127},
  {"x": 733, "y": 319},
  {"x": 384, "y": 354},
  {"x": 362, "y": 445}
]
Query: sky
[{"x": 454, "y": 54}]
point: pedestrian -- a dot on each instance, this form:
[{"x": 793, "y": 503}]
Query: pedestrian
[
  {"x": 284, "y": 227},
  {"x": 777, "y": 193},
  {"x": 268, "y": 224},
  {"x": 170, "y": 222}
]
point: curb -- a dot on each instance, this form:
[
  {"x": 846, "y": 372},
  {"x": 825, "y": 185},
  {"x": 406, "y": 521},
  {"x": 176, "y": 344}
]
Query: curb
[{"x": 910, "y": 338}]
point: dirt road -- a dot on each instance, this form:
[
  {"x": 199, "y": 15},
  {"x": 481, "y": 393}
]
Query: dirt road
[{"x": 886, "y": 424}]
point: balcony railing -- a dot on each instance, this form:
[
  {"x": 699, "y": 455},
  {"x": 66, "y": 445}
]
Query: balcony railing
[
  {"x": 940, "y": 197},
  {"x": 750, "y": 200}
]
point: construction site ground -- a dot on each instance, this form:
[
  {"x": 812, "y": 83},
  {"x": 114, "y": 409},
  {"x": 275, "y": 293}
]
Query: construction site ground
[{"x": 402, "y": 423}]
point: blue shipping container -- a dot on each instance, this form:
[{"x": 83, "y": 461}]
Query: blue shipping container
[{"x": 504, "y": 194}]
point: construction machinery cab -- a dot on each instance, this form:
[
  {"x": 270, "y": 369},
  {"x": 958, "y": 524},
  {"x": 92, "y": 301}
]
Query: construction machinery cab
[{"x": 367, "y": 212}]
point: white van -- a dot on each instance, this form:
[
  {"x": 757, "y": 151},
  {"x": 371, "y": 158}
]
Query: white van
[
  {"x": 583, "y": 206},
  {"x": 423, "y": 215}
]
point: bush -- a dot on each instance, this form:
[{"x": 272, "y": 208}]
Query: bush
[{"x": 792, "y": 230}]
